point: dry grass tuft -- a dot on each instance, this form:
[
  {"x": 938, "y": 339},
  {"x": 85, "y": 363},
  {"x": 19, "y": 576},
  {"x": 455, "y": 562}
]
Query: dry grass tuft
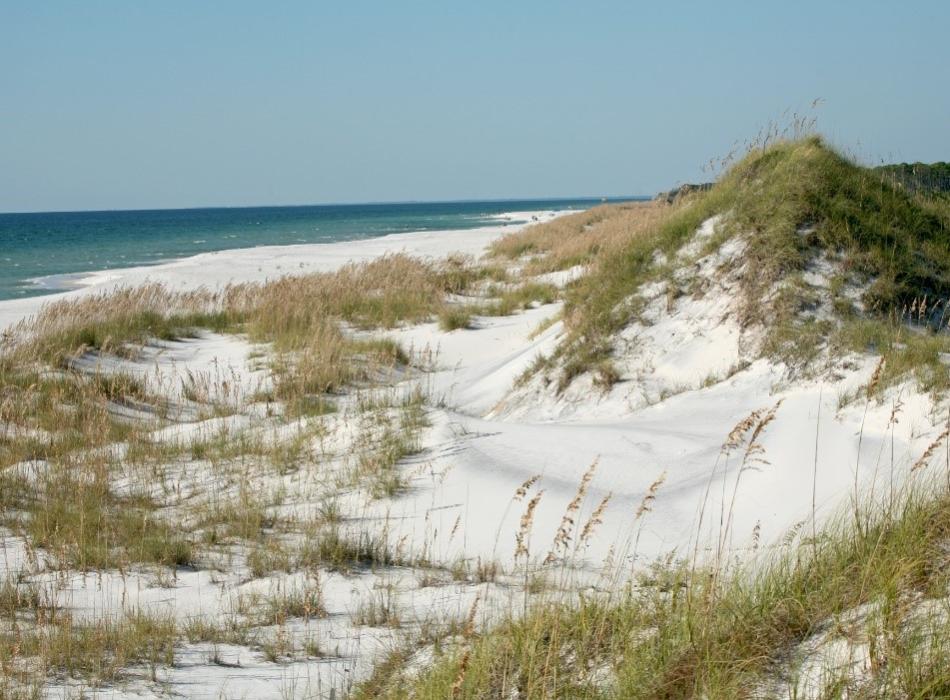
[{"x": 577, "y": 239}]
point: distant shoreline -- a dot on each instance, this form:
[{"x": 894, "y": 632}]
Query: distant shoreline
[
  {"x": 42, "y": 253},
  {"x": 216, "y": 269}
]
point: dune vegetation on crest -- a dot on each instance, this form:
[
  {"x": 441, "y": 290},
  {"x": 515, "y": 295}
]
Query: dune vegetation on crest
[{"x": 796, "y": 207}]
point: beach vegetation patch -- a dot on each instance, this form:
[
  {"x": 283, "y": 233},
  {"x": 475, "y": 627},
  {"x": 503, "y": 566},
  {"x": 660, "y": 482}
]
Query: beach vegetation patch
[{"x": 797, "y": 208}]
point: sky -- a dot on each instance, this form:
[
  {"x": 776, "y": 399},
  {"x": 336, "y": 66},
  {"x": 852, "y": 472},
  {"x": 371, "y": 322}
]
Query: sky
[{"x": 126, "y": 105}]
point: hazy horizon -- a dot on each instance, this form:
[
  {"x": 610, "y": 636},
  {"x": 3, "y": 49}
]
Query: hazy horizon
[
  {"x": 121, "y": 106},
  {"x": 291, "y": 205}
]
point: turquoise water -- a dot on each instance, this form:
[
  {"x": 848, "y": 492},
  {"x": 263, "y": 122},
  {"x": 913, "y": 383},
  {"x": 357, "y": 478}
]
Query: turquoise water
[{"x": 37, "y": 250}]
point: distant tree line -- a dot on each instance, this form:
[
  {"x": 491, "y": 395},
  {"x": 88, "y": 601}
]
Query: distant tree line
[{"x": 919, "y": 177}]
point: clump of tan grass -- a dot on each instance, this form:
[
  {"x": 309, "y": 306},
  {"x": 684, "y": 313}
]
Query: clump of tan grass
[
  {"x": 111, "y": 321},
  {"x": 577, "y": 239}
]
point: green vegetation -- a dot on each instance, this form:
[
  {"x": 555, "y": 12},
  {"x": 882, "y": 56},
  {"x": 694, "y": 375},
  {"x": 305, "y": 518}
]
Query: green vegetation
[
  {"x": 455, "y": 317},
  {"x": 87, "y": 485},
  {"x": 395, "y": 437},
  {"x": 44, "y": 414},
  {"x": 101, "y": 651},
  {"x": 929, "y": 178},
  {"x": 70, "y": 509},
  {"x": 500, "y": 300},
  {"x": 793, "y": 204},
  {"x": 507, "y": 300},
  {"x": 800, "y": 199},
  {"x": 904, "y": 349}
]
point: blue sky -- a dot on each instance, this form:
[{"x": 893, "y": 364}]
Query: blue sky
[{"x": 120, "y": 105}]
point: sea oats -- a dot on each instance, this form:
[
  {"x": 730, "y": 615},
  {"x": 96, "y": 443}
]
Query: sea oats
[
  {"x": 875, "y": 377},
  {"x": 524, "y": 529},
  {"x": 596, "y": 518},
  {"x": 565, "y": 530},
  {"x": 646, "y": 504},
  {"x": 929, "y": 452},
  {"x": 522, "y": 490}
]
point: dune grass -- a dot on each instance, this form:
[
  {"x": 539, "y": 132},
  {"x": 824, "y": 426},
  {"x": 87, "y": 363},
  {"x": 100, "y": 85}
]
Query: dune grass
[
  {"x": 45, "y": 414},
  {"x": 114, "y": 321},
  {"x": 64, "y": 440},
  {"x": 101, "y": 651},
  {"x": 456, "y": 317},
  {"x": 55, "y": 430},
  {"x": 305, "y": 321},
  {"x": 395, "y": 437},
  {"x": 291, "y": 313},
  {"x": 68, "y": 508},
  {"x": 792, "y": 203},
  {"x": 802, "y": 197},
  {"x": 576, "y": 239},
  {"x": 88, "y": 487},
  {"x": 498, "y": 300},
  {"x": 686, "y": 631}
]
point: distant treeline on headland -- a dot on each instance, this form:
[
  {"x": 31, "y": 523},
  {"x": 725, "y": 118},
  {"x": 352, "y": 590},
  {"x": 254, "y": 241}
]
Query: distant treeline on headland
[
  {"x": 931, "y": 178},
  {"x": 920, "y": 177}
]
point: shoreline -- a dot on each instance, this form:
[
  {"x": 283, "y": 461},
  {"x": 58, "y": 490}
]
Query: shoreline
[{"x": 216, "y": 269}]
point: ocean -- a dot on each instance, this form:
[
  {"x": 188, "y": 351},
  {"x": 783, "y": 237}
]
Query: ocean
[{"x": 42, "y": 253}]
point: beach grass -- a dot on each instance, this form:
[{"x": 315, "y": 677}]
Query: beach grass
[
  {"x": 576, "y": 239},
  {"x": 687, "y": 629},
  {"x": 796, "y": 206}
]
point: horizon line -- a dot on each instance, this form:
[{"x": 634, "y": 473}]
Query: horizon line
[{"x": 501, "y": 200}]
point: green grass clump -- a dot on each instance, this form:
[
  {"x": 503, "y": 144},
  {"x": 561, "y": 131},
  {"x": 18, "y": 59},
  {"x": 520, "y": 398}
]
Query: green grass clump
[
  {"x": 329, "y": 363},
  {"x": 305, "y": 601},
  {"x": 244, "y": 518},
  {"x": 904, "y": 349},
  {"x": 522, "y": 296},
  {"x": 101, "y": 651},
  {"x": 802, "y": 197},
  {"x": 73, "y": 513},
  {"x": 135, "y": 329},
  {"x": 502, "y": 301},
  {"x": 395, "y": 438},
  {"x": 455, "y": 317},
  {"x": 458, "y": 274},
  {"x": 48, "y": 414},
  {"x": 338, "y": 551}
]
